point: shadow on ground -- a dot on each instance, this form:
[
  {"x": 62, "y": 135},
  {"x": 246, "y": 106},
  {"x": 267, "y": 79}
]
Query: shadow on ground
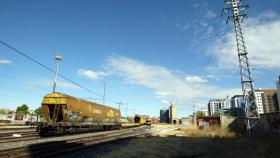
[{"x": 169, "y": 147}]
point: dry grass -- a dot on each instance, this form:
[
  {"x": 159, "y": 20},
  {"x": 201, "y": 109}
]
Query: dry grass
[
  {"x": 191, "y": 142},
  {"x": 215, "y": 131}
]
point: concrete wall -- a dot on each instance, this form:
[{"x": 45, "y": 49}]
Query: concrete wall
[
  {"x": 12, "y": 118},
  {"x": 6, "y": 117},
  {"x": 269, "y": 122},
  {"x": 226, "y": 121},
  {"x": 236, "y": 124}
]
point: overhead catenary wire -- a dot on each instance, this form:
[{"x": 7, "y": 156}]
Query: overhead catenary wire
[
  {"x": 49, "y": 69},
  {"x": 20, "y": 81}
]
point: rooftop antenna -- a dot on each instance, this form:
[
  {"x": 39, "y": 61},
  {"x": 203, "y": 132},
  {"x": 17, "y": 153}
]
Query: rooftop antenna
[
  {"x": 58, "y": 59},
  {"x": 238, "y": 13}
]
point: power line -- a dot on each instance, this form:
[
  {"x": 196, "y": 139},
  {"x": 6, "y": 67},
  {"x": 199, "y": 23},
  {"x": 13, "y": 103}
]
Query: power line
[
  {"x": 49, "y": 69},
  {"x": 20, "y": 81}
]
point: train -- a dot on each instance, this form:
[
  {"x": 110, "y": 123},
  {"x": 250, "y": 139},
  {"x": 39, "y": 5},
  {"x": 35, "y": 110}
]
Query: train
[
  {"x": 63, "y": 113},
  {"x": 142, "y": 119}
]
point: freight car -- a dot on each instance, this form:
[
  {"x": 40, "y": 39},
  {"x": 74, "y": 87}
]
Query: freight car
[
  {"x": 63, "y": 113},
  {"x": 141, "y": 119}
]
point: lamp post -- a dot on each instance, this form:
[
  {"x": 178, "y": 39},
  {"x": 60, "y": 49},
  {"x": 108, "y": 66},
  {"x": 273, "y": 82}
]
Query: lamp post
[{"x": 58, "y": 59}]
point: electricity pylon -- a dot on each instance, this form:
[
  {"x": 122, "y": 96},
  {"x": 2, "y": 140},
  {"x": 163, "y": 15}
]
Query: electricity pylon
[{"x": 238, "y": 13}]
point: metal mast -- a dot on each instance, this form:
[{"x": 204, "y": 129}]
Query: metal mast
[
  {"x": 104, "y": 93},
  {"x": 58, "y": 59},
  {"x": 194, "y": 113},
  {"x": 120, "y": 103},
  {"x": 238, "y": 13}
]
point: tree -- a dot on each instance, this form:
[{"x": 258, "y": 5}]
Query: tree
[
  {"x": 200, "y": 114},
  {"x": 216, "y": 114},
  {"x": 38, "y": 111},
  {"x": 3, "y": 111},
  {"x": 23, "y": 109}
]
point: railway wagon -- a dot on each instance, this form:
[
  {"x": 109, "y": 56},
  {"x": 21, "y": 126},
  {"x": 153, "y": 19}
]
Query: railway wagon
[
  {"x": 63, "y": 113},
  {"x": 141, "y": 119}
]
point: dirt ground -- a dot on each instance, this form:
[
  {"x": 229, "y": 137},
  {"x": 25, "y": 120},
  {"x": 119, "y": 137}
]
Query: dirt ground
[{"x": 181, "y": 142}]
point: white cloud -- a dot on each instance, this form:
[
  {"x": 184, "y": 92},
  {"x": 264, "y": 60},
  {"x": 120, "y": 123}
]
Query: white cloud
[
  {"x": 195, "y": 5},
  {"x": 195, "y": 79},
  {"x": 269, "y": 14},
  {"x": 215, "y": 77},
  {"x": 67, "y": 85},
  {"x": 5, "y": 61},
  {"x": 210, "y": 14},
  {"x": 90, "y": 74},
  {"x": 166, "y": 84},
  {"x": 262, "y": 40},
  {"x": 49, "y": 83},
  {"x": 162, "y": 93},
  {"x": 199, "y": 30},
  {"x": 165, "y": 101},
  {"x": 211, "y": 76}
]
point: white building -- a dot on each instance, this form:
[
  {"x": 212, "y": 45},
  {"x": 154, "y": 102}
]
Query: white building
[
  {"x": 237, "y": 105},
  {"x": 215, "y": 105},
  {"x": 278, "y": 90},
  {"x": 237, "y": 101},
  {"x": 172, "y": 110},
  {"x": 259, "y": 100}
]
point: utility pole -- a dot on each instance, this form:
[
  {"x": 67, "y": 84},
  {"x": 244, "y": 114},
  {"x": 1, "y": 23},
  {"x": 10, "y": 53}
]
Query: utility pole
[
  {"x": 104, "y": 93},
  {"x": 126, "y": 110},
  {"x": 58, "y": 59},
  {"x": 238, "y": 13},
  {"x": 120, "y": 103},
  {"x": 194, "y": 113}
]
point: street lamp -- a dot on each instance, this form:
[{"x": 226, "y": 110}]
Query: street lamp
[{"x": 58, "y": 59}]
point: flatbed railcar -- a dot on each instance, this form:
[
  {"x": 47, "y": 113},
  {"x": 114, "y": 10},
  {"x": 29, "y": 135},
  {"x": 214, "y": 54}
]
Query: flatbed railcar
[{"x": 63, "y": 113}]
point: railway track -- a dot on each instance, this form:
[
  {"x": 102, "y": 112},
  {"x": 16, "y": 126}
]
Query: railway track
[
  {"x": 15, "y": 129},
  {"x": 55, "y": 148},
  {"x": 17, "y": 136},
  {"x": 25, "y": 135}
]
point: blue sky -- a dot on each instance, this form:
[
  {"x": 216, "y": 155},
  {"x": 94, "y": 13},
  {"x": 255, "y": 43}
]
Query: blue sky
[{"x": 149, "y": 53}]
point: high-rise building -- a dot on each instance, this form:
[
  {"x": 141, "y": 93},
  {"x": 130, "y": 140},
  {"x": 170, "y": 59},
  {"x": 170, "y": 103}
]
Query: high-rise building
[
  {"x": 259, "y": 101},
  {"x": 266, "y": 100},
  {"x": 270, "y": 101},
  {"x": 215, "y": 105},
  {"x": 237, "y": 101},
  {"x": 278, "y": 90},
  {"x": 237, "y": 105},
  {"x": 172, "y": 115},
  {"x": 164, "y": 116}
]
